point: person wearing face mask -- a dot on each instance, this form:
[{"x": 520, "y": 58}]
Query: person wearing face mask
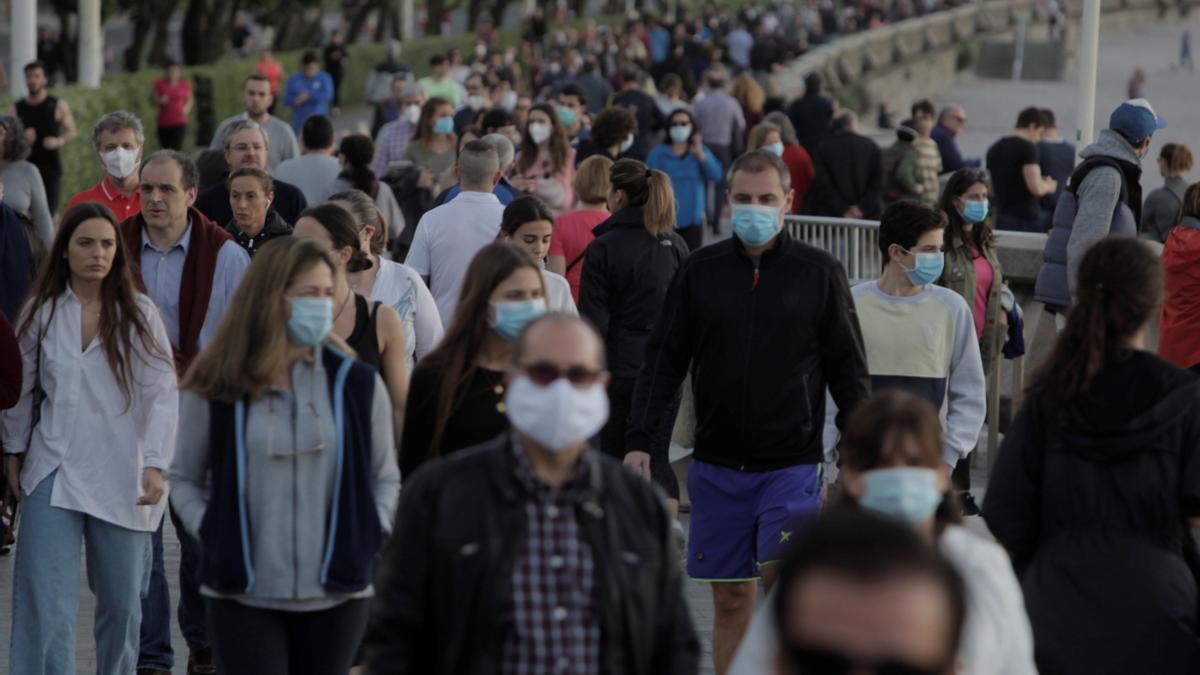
[
  {"x": 972, "y": 270},
  {"x": 545, "y": 165},
  {"x": 890, "y": 459},
  {"x": 254, "y": 224},
  {"x": 898, "y": 314},
  {"x": 456, "y": 397},
  {"x": 612, "y": 135},
  {"x": 118, "y": 138},
  {"x": 286, "y": 472},
  {"x": 433, "y": 147},
  {"x": 572, "y": 112},
  {"x": 474, "y": 104},
  {"x": 393, "y": 135},
  {"x": 532, "y": 528},
  {"x": 758, "y": 388},
  {"x": 529, "y": 224},
  {"x": 777, "y": 135},
  {"x": 691, "y": 166}
]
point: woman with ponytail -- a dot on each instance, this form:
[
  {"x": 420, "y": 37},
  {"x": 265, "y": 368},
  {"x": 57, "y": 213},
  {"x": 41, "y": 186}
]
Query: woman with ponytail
[
  {"x": 356, "y": 155},
  {"x": 626, "y": 273},
  {"x": 1096, "y": 491}
]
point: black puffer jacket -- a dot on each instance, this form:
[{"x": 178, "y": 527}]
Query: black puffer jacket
[
  {"x": 447, "y": 571},
  {"x": 626, "y": 274}
]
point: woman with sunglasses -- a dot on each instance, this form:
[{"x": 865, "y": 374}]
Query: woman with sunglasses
[
  {"x": 528, "y": 223},
  {"x": 286, "y": 471},
  {"x": 891, "y": 464},
  {"x": 456, "y": 399},
  {"x": 972, "y": 269},
  {"x": 691, "y": 166},
  {"x": 96, "y": 361}
]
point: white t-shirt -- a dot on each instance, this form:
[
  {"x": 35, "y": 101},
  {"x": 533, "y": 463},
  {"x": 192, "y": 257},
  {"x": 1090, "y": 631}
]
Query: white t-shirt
[
  {"x": 558, "y": 294},
  {"x": 446, "y": 240},
  {"x": 401, "y": 288}
]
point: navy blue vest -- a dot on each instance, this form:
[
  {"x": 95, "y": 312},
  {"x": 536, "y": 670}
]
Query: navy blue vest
[{"x": 354, "y": 535}]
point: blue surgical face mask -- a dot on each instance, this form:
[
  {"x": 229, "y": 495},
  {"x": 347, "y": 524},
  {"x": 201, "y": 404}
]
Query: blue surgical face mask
[
  {"x": 625, "y": 146},
  {"x": 774, "y": 148},
  {"x": 928, "y": 268},
  {"x": 681, "y": 134},
  {"x": 311, "y": 320},
  {"x": 567, "y": 116},
  {"x": 514, "y": 315},
  {"x": 755, "y": 224},
  {"x": 974, "y": 212},
  {"x": 443, "y": 125},
  {"x": 906, "y": 493}
]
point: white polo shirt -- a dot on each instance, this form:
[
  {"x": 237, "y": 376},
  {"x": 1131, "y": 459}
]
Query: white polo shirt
[{"x": 446, "y": 240}]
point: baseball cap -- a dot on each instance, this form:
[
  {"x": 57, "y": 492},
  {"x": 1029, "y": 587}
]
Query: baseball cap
[{"x": 1136, "y": 120}]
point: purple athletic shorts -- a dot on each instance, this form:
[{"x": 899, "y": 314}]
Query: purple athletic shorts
[{"x": 741, "y": 520}]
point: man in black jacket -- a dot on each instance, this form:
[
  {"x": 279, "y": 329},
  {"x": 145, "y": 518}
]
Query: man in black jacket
[
  {"x": 849, "y": 173},
  {"x": 495, "y": 543},
  {"x": 767, "y": 323},
  {"x": 247, "y": 146}
]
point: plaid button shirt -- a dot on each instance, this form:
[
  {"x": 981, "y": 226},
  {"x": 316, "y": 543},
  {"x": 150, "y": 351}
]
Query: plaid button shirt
[
  {"x": 390, "y": 144},
  {"x": 552, "y": 619}
]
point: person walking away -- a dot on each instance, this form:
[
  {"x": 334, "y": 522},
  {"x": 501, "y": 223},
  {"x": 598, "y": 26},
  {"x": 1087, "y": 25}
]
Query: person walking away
[
  {"x": 811, "y": 114},
  {"x": 1103, "y": 198},
  {"x": 355, "y": 153},
  {"x": 721, "y": 125},
  {"x": 691, "y": 166},
  {"x": 529, "y": 224},
  {"x": 649, "y": 118},
  {"x": 24, "y": 192},
  {"x": 782, "y": 141},
  {"x": 308, "y": 92},
  {"x": 258, "y": 97},
  {"x": 972, "y": 269},
  {"x": 900, "y": 167},
  {"x": 545, "y": 164},
  {"x": 848, "y": 180},
  {"x": 1056, "y": 158},
  {"x": 1017, "y": 176},
  {"x": 456, "y": 398},
  {"x": 49, "y": 125},
  {"x": 574, "y": 231},
  {"x": 316, "y": 168},
  {"x": 278, "y": 408},
  {"x": 1161, "y": 210},
  {"x": 758, "y": 454},
  {"x": 20, "y": 257},
  {"x": 1095, "y": 482},
  {"x": 251, "y": 191},
  {"x": 513, "y": 502},
  {"x": 1179, "y": 324},
  {"x": 928, "y": 160},
  {"x": 613, "y": 133},
  {"x": 118, "y": 139},
  {"x": 951, "y": 122},
  {"x": 90, "y": 471},
  {"x": 335, "y": 64},
  {"x": 172, "y": 96}
]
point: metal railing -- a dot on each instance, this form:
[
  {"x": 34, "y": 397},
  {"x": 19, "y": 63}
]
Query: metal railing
[{"x": 855, "y": 243}]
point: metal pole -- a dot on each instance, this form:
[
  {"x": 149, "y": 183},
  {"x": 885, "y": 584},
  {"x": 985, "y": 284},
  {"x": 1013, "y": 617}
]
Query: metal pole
[
  {"x": 22, "y": 47},
  {"x": 629, "y": 7},
  {"x": 91, "y": 44},
  {"x": 530, "y": 5},
  {"x": 1019, "y": 48},
  {"x": 1089, "y": 48},
  {"x": 407, "y": 29}
]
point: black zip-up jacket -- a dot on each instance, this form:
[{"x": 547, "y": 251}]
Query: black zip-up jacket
[
  {"x": 763, "y": 341},
  {"x": 849, "y": 172},
  {"x": 626, "y": 274},
  {"x": 447, "y": 571}
]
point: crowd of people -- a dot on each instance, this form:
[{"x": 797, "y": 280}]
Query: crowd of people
[{"x": 408, "y": 399}]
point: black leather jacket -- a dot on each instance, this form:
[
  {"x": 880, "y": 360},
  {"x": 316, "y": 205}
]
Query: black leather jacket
[{"x": 447, "y": 570}]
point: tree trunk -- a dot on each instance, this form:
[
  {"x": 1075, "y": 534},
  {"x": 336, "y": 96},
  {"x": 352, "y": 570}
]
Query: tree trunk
[
  {"x": 134, "y": 57},
  {"x": 435, "y": 12},
  {"x": 357, "y": 21},
  {"x": 389, "y": 26},
  {"x": 498, "y": 9},
  {"x": 158, "y": 48},
  {"x": 474, "y": 9},
  {"x": 206, "y": 29}
]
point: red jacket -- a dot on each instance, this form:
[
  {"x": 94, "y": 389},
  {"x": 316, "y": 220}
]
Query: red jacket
[
  {"x": 800, "y": 166},
  {"x": 1179, "y": 333}
]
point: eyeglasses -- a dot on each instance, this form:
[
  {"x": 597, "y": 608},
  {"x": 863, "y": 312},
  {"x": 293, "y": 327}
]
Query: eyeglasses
[
  {"x": 242, "y": 147},
  {"x": 544, "y": 374},
  {"x": 812, "y": 661}
]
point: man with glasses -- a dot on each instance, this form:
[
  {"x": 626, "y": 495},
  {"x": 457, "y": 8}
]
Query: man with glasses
[
  {"x": 257, "y": 97},
  {"x": 950, "y": 124},
  {"x": 247, "y": 146},
  {"x": 536, "y": 554}
]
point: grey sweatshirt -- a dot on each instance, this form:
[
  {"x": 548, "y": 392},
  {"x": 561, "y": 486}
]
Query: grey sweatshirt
[
  {"x": 1161, "y": 210},
  {"x": 290, "y": 469},
  {"x": 25, "y": 193},
  {"x": 1097, "y": 196}
]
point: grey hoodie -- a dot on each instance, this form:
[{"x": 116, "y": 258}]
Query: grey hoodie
[{"x": 1097, "y": 198}]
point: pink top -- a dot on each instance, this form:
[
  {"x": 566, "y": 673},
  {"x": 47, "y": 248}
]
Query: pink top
[
  {"x": 272, "y": 70},
  {"x": 170, "y": 113},
  {"x": 572, "y": 234},
  {"x": 984, "y": 276},
  {"x": 554, "y": 188}
]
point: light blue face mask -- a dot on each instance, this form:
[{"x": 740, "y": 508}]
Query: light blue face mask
[
  {"x": 443, "y": 125},
  {"x": 681, "y": 134},
  {"x": 928, "y": 268},
  {"x": 774, "y": 148},
  {"x": 755, "y": 224},
  {"x": 974, "y": 212},
  {"x": 567, "y": 116},
  {"x": 311, "y": 320},
  {"x": 906, "y": 493},
  {"x": 627, "y": 144},
  {"x": 514, "y": 315}
]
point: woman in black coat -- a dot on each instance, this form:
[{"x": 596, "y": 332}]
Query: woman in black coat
[
  {"x": 626, "y": 273},
  {"x": 1097, "y": 486}
]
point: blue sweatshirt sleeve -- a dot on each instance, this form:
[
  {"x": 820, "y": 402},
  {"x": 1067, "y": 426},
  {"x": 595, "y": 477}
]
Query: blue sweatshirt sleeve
[{"x": 711, "y": 167}]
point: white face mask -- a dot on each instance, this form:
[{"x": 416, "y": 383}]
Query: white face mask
[
  {"x": 509, "y": 100},
  {"x": 120, "y": 163},
  {"x": 476, "y": 102},
  {"x": 539, "y": 132},
  {"x": 412, "y": 114},
  {"x": 557, "y": 415}
]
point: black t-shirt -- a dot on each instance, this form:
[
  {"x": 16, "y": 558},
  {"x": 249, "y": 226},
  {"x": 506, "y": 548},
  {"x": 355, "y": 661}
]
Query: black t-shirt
[{"x": 1006, "y": 161}]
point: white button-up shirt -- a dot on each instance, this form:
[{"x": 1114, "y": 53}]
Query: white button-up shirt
[{"x": 97, "y": 443}]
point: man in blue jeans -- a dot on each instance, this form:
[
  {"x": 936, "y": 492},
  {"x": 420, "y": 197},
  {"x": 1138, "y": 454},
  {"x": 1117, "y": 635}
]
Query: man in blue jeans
[{"x": 766, "y": 323}]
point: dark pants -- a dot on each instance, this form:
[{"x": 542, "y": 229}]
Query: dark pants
[
  {"x": 53, "y": 182},
  {"x": 1013, "y": 223},
  {"x": 612, "y": 437},
  {"x": 155, "y": 650},
  {"x": 724, "y": 156},
  {"x": 171, "y": 138},
  {"x": 960, "y": 478},
  {"x": 251, "y": 640},
  {"x": 693, "y": 236}
]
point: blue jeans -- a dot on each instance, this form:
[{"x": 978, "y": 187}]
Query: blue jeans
[
  {"x": 46, "y": 595},
  {"x": 156, "y": 651}
]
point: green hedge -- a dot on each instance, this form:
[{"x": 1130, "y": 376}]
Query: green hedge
[{"x": 131, "y": 91}]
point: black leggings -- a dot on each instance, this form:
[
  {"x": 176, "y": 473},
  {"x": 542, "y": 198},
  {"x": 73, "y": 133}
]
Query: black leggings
[
  {"x": 612, "y": 437},
  {"x": 251, "y": 640},
  {"x": 171, "y": 138},
  {"x": 693, "y": 236}
]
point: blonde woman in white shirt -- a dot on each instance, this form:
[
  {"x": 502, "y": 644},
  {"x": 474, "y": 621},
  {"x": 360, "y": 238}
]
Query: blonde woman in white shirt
[
  {"x": 529, "y": 223},
  {"x": 91, "y": 470}
]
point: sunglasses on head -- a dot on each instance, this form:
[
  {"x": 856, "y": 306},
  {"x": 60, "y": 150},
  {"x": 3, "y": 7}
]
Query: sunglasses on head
[
  {"x": 544, "y": 374},
  {"x": 814, "y": 661}
]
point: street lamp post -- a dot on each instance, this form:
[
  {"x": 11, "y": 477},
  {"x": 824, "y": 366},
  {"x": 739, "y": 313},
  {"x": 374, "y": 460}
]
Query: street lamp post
[
  {"x": 1089, "y": 49},
  {"x": 23, "y": 43},
  {"x": 91, "y": 44}
]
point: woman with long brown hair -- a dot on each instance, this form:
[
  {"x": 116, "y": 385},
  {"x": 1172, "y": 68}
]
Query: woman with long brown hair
[
  {"x": 433, "y": 148},
  {"x": 626, "y": 273},
  {"x": 456, "y": 399},
  {"x": 1096, "y": 491},
  {"x": 87, "y": 446},
  {"x": 286, "y": 471},
  {"x": 545, "y": 165},
  {"x": 750, "y": 96}
]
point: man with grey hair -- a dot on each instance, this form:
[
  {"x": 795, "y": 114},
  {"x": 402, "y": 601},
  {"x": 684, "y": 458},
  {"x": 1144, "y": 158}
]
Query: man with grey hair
[
  {"x": 449, "y": 236},
  {"x": 118, "y": 139},
  {"x": 402, "y": 112},
  {"x": 949, "y": 125},
  {"x": 257, "y": 98},
  {"x": 504, "y": 190},
  {"x": 247, "y": 145}
]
